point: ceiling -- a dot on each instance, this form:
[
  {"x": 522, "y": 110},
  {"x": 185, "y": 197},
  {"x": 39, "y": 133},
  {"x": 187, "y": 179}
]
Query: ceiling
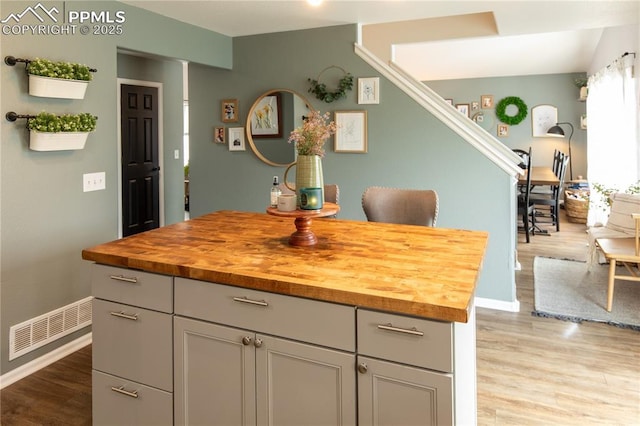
[{"x": 521, "y": 37}]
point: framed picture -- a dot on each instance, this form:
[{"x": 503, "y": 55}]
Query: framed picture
[
  {"x": 351, "y": 133},
  {"x": 369, "y": 90},
  {"x": 475, "y": 105},
  {"x": 218, "y": 135},
  {"x": 486, "y": 101},
  {"x": 503, "y": 130},
  {"x": 236, "y": 139},
  {"x": 267, "y": 117},
  {"x": 229, "y": 110},
  {"x": 583, "y": 121},
  {"x": 463, "y": 108},
  {"x": 543, "y": 117}
]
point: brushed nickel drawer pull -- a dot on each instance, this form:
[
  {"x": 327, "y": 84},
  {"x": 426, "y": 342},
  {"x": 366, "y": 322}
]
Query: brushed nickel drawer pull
[
  {"x": 250, "y": 301},
  {"x": 389, "y": 327},
  {"x": 133, "y": 317},
  {"x": 121, "y": 389},
  {"x": 133, "y": 280}
]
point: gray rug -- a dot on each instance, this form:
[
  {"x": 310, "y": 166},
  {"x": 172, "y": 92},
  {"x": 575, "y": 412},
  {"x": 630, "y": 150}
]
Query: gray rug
[{"x": 564, "y": 289}]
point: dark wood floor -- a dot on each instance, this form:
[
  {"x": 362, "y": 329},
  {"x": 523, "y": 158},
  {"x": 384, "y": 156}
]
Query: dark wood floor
[{"x": 531, "y": 371}]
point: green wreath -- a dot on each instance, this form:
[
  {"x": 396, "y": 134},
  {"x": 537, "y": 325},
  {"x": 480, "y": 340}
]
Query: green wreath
[
  {"x": 320, "y": 89},
  {"x": 512, "y": 120}
]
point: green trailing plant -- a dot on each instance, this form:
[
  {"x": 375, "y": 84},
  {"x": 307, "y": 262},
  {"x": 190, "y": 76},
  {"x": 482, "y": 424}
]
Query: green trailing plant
[
  {"x": 64, "y": 70},
  {"x": 501, "y": 110},
  {"x": 604, "y": 201},
  {"x": 580, "y": 81},
  {"x": 51, "y": 123},
  {"x": 320, "y": 89}
]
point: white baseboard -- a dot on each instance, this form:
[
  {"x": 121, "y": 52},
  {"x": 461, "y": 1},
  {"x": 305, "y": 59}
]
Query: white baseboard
[
  {"x": 498, "y": 305},
  {"x": 46, "y": 359}
]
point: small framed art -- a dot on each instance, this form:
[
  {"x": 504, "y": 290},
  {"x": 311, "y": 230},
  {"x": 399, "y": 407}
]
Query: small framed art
[
  {"x": 369, "y": 90},
  {"x": 236, "y": 139},
  {"x": 351, "y": 133},
  {"x": 218, "y": 135},
  {"x": 503, "y": 130},
  {"x": 486, "y": 101},
  {"x": 463, "y": 109},
  {"x": 229, "y": 110}
]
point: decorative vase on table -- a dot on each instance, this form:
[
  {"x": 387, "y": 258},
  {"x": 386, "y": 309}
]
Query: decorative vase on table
[{"x": 308, "y": 174}]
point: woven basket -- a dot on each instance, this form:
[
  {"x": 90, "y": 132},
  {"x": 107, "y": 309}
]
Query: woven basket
[{"x": 576, "y": 208}]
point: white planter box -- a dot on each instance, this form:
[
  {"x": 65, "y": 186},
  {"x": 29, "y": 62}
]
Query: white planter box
[
  {"x": 47, "y": 87},
  {"x": 61, "y": 141}
]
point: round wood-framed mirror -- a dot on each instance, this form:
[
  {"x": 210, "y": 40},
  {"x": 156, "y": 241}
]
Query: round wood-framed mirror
[{"x": 270, "y": 121}]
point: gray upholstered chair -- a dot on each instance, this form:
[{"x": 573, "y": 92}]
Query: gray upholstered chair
[{"x": 403, "y": 206}]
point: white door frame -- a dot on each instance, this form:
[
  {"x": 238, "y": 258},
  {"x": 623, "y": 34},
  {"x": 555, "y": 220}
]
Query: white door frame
[{"x": 157, "y": 85}]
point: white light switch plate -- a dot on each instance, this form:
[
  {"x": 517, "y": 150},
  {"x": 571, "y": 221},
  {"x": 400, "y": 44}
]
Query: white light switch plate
[{"x": 93, "y": 181}]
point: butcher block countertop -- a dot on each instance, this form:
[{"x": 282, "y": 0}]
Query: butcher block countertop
[{"x": 414, "y": 270}]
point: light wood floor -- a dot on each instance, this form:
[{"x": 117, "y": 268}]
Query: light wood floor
[{"x": 531, "y": 371}]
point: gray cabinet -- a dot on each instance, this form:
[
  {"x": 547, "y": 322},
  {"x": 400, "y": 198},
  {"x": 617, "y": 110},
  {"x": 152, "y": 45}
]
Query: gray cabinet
[
  {"x": 225, "y": 374},
  {"x": 132, "y": 347},
  {"x": 413, "y": 371}
]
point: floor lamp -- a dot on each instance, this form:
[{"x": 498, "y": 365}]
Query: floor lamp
[{"x": 557, "y": 132}]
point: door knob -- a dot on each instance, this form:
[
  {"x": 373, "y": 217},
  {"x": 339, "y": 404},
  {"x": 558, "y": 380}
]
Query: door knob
[
  {"x": 257, "y": 343},
  {"x": 246, "y": 340},
  {"x": 362, "y": 368}
]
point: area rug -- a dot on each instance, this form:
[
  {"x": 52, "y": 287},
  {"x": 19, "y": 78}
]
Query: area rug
[{"x": 564, "y": 289}]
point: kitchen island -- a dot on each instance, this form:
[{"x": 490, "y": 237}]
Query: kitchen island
[{"x": 238, "y": 308}]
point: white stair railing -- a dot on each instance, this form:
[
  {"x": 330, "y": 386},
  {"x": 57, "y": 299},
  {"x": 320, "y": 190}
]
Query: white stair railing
[{"x": 466, "y": 128}]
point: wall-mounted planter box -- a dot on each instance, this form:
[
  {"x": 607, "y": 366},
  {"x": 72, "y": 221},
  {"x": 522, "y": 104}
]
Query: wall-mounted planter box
[
  {"x": 61, "y": 141},
  {"x": 47, "y": 87}
]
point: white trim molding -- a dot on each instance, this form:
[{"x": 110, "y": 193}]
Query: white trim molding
[
  {"x": 498, "y": 305},
  {"x": 45, "y": 360}
]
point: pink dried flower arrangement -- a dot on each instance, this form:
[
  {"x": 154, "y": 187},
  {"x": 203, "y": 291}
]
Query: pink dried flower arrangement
[{"x": 310, "y": 137}]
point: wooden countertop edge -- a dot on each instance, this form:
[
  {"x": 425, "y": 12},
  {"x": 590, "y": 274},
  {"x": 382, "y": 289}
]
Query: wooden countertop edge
[{"x": 358, "y": 299}]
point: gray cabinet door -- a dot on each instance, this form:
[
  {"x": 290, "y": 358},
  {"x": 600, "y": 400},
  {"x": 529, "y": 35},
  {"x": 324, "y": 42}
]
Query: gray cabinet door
[
  {"x": 300, "y": 384},
  {"x": 214, "y": 374},
  {"x": 395, "y": 394}
]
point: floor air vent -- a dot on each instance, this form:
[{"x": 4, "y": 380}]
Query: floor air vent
[{"x": 36, "y": 332}]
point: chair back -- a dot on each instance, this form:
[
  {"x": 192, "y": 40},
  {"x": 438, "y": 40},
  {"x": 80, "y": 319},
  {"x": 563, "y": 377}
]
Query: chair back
[
  {"x": 525, "y": 192},
  {"x": 562, "y": 169},
  {"x": 558, "y": 157},
  {"x": 524, "y": 156},
  {"x": 332, "y": 194},
  {"x": 402, "y": 206}
]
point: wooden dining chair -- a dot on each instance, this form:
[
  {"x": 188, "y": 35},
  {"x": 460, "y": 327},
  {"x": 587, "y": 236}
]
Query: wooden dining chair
[
  {"x": 625, "y": 251},
  {"x": 402, "y": 206},
  {"x": 526, "y": 209},
  {"x": 552, "y": 199}
]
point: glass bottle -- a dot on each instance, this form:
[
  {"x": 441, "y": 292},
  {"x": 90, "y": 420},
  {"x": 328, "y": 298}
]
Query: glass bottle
[{"x": 275, "y": 192}]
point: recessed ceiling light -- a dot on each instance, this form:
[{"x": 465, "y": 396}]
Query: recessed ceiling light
[{"x": 314, "y": 2}]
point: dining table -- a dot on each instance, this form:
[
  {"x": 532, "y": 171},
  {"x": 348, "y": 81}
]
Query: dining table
[{"x": 540, "y": 175}]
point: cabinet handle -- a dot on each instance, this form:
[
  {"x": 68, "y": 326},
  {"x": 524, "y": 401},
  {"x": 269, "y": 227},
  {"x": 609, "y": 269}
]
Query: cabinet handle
[
  {"x": 246, "y": 340},
  {"x": 133, "y": 280},
  {"x": 122, "y": 390},
  {"x": 257, "y": 343},
  {"x": 250, "y": 301},
  {"x": 133, "y": 317},
  {"x": 362, "y": 368},
  {"x": 389, "y": 327}
]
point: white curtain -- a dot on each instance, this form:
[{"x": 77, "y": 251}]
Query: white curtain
[{"x": 613, "y": 154}]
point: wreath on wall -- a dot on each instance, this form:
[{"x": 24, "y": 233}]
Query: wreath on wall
[
  {"x": 501, "y": 110},
  {"x": 320, "y": 89}
]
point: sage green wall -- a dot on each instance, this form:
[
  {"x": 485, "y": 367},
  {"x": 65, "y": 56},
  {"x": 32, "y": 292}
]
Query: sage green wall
[
  {"x": 46, "y": 219},
  {"x": 407, "y": 146},
  {"x": 558, "y": 90}
]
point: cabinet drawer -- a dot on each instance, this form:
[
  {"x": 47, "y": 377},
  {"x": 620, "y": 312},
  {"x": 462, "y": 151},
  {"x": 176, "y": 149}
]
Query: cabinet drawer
[
  {"x": 408, "y": 340},
  {"x": 133, "y": 342},
  {"x": 151, "y": 291},
  {"x": 311, "y": 321},
  {"x": 118, "y": 401}
]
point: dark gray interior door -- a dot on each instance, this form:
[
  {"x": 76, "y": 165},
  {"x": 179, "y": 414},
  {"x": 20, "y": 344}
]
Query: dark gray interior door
[{"x": 140, "y": 159}]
